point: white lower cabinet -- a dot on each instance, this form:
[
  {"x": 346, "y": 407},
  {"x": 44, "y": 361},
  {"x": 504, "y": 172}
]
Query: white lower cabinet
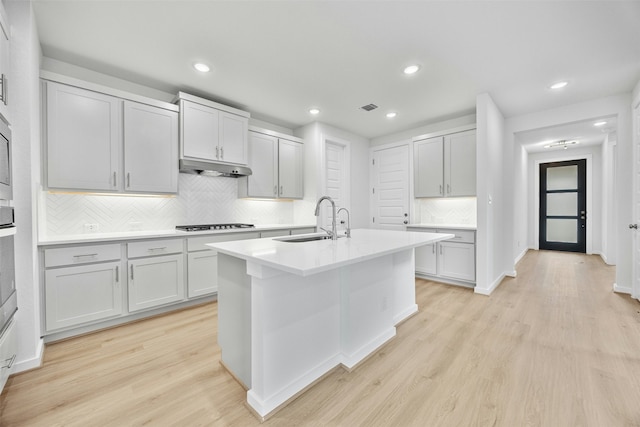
[
  {"x": 452, "y": 261},
  {"x": 8, "y": 353},
  {"x": 155, "y": 281},
  {"x": 81, "y": 294}
]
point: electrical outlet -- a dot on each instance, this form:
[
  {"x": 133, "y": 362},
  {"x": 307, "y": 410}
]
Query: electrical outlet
[{"x": 91, "y": 228}]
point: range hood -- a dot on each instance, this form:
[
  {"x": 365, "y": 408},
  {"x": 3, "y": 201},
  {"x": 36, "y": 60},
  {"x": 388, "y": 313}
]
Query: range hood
[{"x": 210, "y": 168}]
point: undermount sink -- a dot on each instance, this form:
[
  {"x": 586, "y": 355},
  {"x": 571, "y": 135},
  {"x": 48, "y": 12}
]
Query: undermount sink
[{"x": 304, "y": 238}]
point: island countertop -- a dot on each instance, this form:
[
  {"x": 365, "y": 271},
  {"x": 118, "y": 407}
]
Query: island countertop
[{"x": 313, "y": 257}]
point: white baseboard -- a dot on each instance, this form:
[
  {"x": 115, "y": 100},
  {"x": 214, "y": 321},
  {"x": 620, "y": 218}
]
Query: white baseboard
[
  {"x": 519, "y": 257},
  {"x": 622, "y": 289},
  {"x": 490, "y": 289},
  {"x": 34, "y": 362}
]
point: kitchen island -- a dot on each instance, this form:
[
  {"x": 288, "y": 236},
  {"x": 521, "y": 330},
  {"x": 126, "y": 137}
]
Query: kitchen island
[{"x": 290, "y": 312}]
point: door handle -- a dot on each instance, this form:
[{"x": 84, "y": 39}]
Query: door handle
[{"x": 634, "y": 226}]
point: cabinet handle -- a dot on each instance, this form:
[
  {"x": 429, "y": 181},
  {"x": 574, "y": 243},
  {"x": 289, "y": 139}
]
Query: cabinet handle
[
  {"x": 440, "y": 246},
  {"x": 128, "y": 179},
  {"x": 281, "y": 190},
  {"x": 440, "y": 190},
  {"x": 433, "y": 248},
  {"x": 115, "y": 183},
  {"x": 448, "y": 189},
  {"x": 217, "y": 152},
  {"x": 222, "y": 152},
  {"x": 9, "y": 362},
  {"x": 117, "y": 274},
  {"x": 132, "y": 272},
  {"x": 275, "y": 190},
  {"x": 3, "y": 92},
  {"x": 157, "y": 249},
  {"x": 85, "y": 255}
]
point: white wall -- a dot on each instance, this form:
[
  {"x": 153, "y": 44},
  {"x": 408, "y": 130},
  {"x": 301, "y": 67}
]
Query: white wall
[
  {"x": 595, "y": 184},
  {"x": 521, "y": 207},
  {"x": 619, "y": 106},
  {"x": 24, "y": 103},
  {"x": 494, "y": 174}
]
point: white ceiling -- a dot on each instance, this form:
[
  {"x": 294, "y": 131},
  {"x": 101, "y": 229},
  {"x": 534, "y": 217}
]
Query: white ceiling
[
  {"x": 277, "y": 59},
  {"x": 583, "y": 131}
]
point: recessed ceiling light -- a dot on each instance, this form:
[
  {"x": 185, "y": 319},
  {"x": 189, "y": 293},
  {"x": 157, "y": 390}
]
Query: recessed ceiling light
[
  {"x": 314, "y": 111},
  {"x": 411, "y": 69},
  {"x": 391, "y": 115},
  {"x": 558, "y": 85},
  {"x": 203, "y": 68},
  {"x": 600, "y": 123}
]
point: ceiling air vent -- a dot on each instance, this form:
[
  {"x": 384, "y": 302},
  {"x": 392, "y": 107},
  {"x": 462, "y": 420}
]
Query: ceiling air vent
[{"x": 369, "y": 107}]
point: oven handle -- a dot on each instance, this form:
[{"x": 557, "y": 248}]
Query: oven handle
[{"x": 8, "y": 231}]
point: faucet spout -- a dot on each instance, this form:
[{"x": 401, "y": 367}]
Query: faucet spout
[
  {"x": 348, "y": 231},
  {"x": 334, "y": 232}
]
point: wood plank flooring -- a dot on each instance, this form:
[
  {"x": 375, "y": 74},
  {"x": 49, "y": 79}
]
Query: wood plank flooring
[{"x": 552, "y": 347}]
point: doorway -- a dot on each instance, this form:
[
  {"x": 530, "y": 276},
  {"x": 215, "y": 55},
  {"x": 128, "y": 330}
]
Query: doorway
[
  {"x": 390, "y": 172},
  {"x": 563, "y": 206}
]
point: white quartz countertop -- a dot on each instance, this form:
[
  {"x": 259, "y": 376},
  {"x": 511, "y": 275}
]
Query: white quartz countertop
[
  {"x": 136, "y": 235},
  {"x": 313, "y": 257},
  {"x": 445, "y": 226}
]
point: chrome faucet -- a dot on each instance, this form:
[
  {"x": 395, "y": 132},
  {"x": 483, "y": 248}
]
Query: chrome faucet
[
  {"x": 348, "y": 231},
  {"x": 334, "y": 232}
]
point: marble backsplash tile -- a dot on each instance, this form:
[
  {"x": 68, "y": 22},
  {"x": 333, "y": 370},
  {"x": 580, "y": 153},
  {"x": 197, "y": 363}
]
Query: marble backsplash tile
[{"x": 200, "y": 200}]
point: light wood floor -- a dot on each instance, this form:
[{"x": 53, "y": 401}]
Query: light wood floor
[{"x": 554, "y": 347}]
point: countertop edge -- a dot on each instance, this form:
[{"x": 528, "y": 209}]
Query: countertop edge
[
  {"x": 140, "y": 235},
  {"x": 445, "y": 226}
]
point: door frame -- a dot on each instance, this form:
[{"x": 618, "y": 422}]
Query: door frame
[
  {"x": 405, "y": 142},
  {"x": 536, "y": 183}
]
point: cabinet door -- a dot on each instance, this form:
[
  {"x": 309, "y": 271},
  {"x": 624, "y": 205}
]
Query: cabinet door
[
  {"x": 4, "y": 64},
  {"x": 290, "y": 163},
  {"x": 233, "y": 138},
  {"x": 76, "y": 295},
  {"x": 199, "y": 129},
  {"x": 8, "y": 353},
  {"x": 202, "y": 269},
  {"x": 150, "y": 149},
  {"x": 428, "y": 168},
  {"x": 426, "y": 259},
  {"x": 83, "y": 139},
  {"x": 263, "y": 160},
  {"x": 155, "y": 281},
  {"x": 460, "y": 164},
  {"x": 457, "y": 261}
]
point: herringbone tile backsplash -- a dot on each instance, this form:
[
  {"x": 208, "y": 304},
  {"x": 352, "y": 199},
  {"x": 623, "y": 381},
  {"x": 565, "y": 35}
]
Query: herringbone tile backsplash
[
  {"x": 454, "y": 210},
  {"x": 201, "y": 200}
]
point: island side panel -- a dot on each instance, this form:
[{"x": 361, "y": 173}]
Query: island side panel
[
  {"x": 404, "y": 297},
  {"x": 234, "y": 317},
  {"x": 295, "y": 333}
]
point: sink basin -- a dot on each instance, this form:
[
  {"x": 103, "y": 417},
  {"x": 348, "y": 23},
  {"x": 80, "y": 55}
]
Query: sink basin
[{"x": 304, "y": 238}]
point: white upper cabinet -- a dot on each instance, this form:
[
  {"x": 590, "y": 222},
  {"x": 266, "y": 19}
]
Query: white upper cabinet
[
  {"x": 84, "y": 139},
  {"x": 445, "y": 166},
  {"x": 460, "y": 164},
  {"x": 290, "y": 160},
  {"x": 429, "y": 167},
  {"x": 263, "y": 155},
  {"x": 150, "y": 149},
  {"x": 5, "y": 63},
  {"x": 276, "y": 161},
  {"x": 99, "y": 142},
  {"x": 212, "y": 131}
]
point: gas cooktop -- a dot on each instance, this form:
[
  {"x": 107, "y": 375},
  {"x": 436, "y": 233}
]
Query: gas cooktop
[{"x": 204, "y": 227}]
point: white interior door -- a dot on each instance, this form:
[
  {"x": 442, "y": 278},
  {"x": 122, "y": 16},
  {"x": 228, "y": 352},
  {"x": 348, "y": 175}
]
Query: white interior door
[
  {"x": 390, "y": 192},
  {"x": 635, "y": 288},
  {"x": 336, "y": 180}
]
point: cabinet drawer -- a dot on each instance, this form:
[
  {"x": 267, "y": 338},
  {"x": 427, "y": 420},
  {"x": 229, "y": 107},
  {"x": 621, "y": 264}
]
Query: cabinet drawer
[
  {"x": 154, "y": 247},
  {"x": 81, "y": 255},
  {"x": 200, "y": 243},
  {"x": 8, "y": 352},
  {"x": 462, "y": 236}
]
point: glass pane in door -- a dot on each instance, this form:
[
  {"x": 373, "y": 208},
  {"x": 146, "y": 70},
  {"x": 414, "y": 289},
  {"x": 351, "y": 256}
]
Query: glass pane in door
[
  {"x": 562, "y": 230},
  {"x": 562, "y": 204},
  {"x": 562, "y": 178}
]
